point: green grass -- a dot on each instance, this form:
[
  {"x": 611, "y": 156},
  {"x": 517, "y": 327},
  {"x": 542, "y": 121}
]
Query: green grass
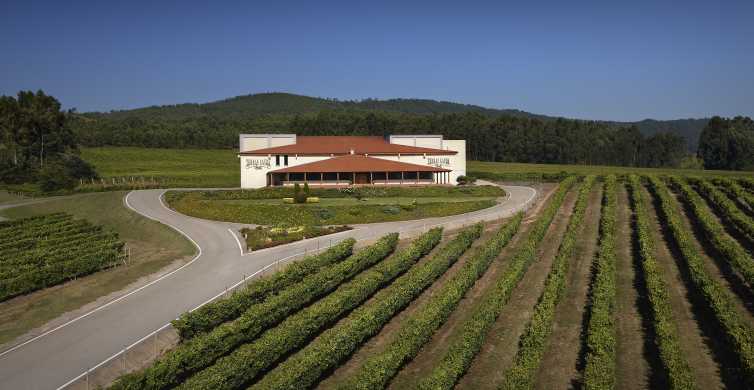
[
  {"x": 170, "y": 167},
  {"x": 323, "y": 202},
  {"x": 153, "y": 246},
  {"x": 515, "y": 171},
  {"x": 337, "y": 211}
]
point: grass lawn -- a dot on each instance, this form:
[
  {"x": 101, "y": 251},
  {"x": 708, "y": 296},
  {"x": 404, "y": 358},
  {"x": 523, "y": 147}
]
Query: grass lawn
[
  {"x": 153, "y": 246},
  {"x": 517, "y": 171},
  {"x": 331, "y": 211},
  {"x": 356, "y": 202},
  {"x": 170, "y": 167}
]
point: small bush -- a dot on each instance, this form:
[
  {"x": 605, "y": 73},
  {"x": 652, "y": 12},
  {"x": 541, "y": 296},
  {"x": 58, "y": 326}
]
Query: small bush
[
  {"x": 391, "y": 209},
  {"x": 312, "y": 199},
  {"x": 409, "y": 206},
  {"x": 325, "y": 213},
  {"x": 287, "y": 200}
]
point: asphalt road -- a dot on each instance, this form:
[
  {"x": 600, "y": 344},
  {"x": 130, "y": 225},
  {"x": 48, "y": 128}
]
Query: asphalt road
[{"x": 64, "y": 353}]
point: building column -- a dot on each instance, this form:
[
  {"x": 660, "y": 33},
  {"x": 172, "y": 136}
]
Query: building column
[
  {"x": 417, "y": 178},
  {"x": 401, "y": 177},
  {"x": 371, "y": 178},
  {"x": 337, "y": 178},
  {"x": 387, "y": 178}
]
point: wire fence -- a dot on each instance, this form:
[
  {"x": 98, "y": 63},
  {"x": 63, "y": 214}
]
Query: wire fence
[{"x": 144, "y": 351}]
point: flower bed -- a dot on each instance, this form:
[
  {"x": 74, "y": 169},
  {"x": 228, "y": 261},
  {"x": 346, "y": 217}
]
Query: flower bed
[{"x": 266, "y": 237}]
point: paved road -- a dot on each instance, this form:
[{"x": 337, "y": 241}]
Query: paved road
[{"x": 64, "y": 353}]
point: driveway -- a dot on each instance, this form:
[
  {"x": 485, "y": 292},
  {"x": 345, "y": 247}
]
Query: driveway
[{"x": 64, "y": 353}]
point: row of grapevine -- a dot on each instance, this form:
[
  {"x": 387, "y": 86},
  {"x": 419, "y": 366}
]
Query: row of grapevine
[
  {"x": 43, "y": 251},
  {"x": 728, "y": 209},
  {"x": 203, "y": 350},
  {"x": 676, "y": 367},
  {"x": 735, "y": 191},
  {"x": 739, "y": 335},
  {"x": 715, "y": 233},
  {"x": 245, "y": 364},
  {"x": 747, "y": 183},
  {"x": 50, "y": 253},
  {"x": 11, "y": 226},
  {"x": 473, "y": 331},
  {"x": 377, "y": 371},
  {"x": 599, "y": 372},
  {"x": 41, "y": 232},
  {"x": 213, "y": 314},
  {"x": 534, "y": 339}
]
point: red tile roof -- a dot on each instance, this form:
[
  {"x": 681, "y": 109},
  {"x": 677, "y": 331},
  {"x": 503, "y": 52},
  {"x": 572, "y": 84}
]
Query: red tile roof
[
  {"x": 359, "y": 163},
  {"x": 326, "y": 145}
]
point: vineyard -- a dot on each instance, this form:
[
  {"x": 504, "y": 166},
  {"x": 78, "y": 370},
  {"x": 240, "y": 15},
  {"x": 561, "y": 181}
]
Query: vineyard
[
  {"x": 630, "y": 281},
  {"x": 47, "y": 250}
]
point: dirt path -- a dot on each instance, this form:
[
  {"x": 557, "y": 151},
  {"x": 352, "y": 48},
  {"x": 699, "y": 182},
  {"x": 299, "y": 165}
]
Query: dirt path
[
  {"x": 695, "y": 342},
  {"x": 501, "y": 344},
  {"x": 559, "y": 366},
  {"x": 637, "y": 362},
  {"x": 719, "y": 269},
  {"x": 377, "y": 343}
]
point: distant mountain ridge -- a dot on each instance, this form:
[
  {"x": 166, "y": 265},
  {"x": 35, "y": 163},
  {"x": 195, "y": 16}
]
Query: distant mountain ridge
[{"x": 278, "y": 103}]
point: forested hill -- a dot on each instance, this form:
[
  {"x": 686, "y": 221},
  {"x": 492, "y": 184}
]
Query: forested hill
[
  {"x": 275, "y": 106},
  {"x": 249, "y": 106}
]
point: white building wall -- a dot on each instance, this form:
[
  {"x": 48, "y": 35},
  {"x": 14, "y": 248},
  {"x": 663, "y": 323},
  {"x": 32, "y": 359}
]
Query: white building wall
[
  {"x": 422, "y": 141},
  {"x": 249, "y": 142},
  {"x": 254, "y": 169}
]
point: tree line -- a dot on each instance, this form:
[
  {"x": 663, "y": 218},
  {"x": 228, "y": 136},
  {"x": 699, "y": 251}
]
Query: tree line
[
  {"x": 728, "y": 143},
  {"x": 500, "y": 138},
  {"x": 37, "y": 144}
]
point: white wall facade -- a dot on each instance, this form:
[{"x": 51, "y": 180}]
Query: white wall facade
[{"x": 254, "y": 169}]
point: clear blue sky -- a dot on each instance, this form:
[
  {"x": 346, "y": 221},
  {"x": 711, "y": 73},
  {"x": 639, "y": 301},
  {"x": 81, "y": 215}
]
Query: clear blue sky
[{"x": 625, "y": 60}]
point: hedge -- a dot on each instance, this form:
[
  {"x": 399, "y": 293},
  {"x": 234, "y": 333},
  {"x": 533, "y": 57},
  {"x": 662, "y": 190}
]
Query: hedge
[
  {"x": 203, "y": 350},
  {"x": 599, "y": 372},
  {"x": 727, "y": 208},
  {"x": 739, "y": 335},
  {"x": 211, "y": 315},
  {"x": 473, "y": 331},
  {"x": 715, "y": 233},
  {"x": 248, "y": 361},
  {"x": 417, "y": 329},
  {"x": 676, "y": 367},
  {"x": 534, "y": 339}
]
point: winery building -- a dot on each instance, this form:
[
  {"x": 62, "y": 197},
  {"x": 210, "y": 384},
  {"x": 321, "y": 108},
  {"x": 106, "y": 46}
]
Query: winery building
[{"x": 286, "y": 159}]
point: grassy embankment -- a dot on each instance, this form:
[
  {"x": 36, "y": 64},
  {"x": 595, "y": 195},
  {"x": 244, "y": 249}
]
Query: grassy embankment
[
  {"x": 520, "y": 171},
  {"x": 219, "y": 167},
  {"x": 169, "y": 167},
  {"x": 152, "y": 245}
]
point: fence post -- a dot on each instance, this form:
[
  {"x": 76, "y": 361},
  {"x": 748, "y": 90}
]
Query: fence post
[
  {"x": 125, "y": 349},
  {"x": 155, "y": 345},
  {"x": 87, "y": 378}
]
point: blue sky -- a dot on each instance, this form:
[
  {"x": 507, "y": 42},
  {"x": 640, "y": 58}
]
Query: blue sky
[{"x": 595, "y": 59}]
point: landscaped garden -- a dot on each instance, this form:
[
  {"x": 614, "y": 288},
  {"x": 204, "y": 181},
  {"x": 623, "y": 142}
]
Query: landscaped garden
[
  {"x": 351, "y": 205},
  {"x": 266, "y": 237}
]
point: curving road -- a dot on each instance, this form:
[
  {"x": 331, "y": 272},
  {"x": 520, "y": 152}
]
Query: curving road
[{"x": 62, "y": 355}]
